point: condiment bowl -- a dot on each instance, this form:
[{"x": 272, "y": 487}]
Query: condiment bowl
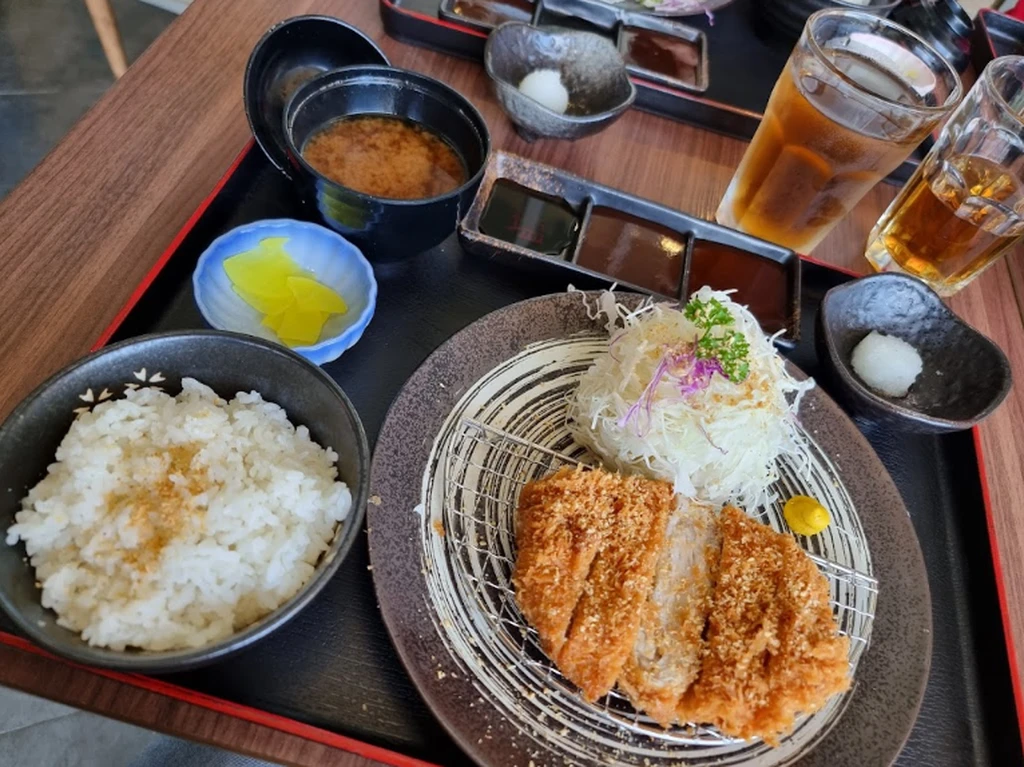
[
  {"x": 387, "y": 229},
  {"x": 289, "y": 54},
  {"x": 228, "y": 363},
  {"x": 333, "y": 260},
  {"x": 965, "y": 374},
  {"x": 591, "y": 69}
]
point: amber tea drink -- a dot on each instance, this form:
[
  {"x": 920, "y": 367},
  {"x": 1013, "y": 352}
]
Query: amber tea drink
[
  {"x": 964, "y": 207},
  {"x": 858, "y": 94}
]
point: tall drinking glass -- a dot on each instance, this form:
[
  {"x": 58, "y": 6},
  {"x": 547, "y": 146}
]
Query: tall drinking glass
[
  {"x": 964, "y": 207},
  {"x": 858, "y": 94}
]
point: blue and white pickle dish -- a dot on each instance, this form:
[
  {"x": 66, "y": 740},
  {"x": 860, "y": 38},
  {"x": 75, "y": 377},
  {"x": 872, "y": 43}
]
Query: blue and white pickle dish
[{"x": 331, "y": 259}]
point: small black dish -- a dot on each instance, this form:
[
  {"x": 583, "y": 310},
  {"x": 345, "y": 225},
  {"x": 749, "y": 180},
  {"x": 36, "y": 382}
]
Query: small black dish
[
  {"x": 965, "y": 375},
  {"x": 786, "y": 18},
  {"x": 386, "y": 229},
  {"x": 227, "y": 363},
  {"x": 289, "y": 54},
  {"x": 591, "y": 68},
  {"x": 995, "y": 34}
]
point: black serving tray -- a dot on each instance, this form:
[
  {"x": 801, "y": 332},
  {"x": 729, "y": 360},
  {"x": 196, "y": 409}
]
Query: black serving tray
[
  {"x": 743, "y": 64},
  {"x": 333, "y": 666}
]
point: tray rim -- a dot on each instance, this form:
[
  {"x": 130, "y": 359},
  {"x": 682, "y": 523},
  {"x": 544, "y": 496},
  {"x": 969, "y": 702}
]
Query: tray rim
[{"x": 332, "y": 739}]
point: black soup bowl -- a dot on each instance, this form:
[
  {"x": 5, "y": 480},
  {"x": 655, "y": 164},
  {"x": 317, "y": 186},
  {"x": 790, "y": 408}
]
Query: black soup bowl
[
  {"x": 387, "y": 229},
  {"x": 227, "y": 363}
]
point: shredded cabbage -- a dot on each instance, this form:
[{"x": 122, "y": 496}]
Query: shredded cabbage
[{"x": 648, "y": 405}]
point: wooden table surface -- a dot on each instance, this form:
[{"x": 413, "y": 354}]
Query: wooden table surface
[{"x": 81, "y": 231}]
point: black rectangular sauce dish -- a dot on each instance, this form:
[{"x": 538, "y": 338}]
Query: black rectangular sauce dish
[{"x": 525, "y": 211}]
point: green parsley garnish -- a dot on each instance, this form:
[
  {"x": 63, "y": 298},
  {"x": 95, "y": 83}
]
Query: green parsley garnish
[{"x": 729, "y": 349}]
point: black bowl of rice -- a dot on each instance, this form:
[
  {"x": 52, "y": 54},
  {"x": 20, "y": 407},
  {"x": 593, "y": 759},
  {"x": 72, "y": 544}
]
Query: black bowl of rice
[{"x": 174, "y": 498}]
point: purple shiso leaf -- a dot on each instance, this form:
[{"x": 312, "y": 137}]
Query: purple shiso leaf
[
  {"x": 611, "y": 345},
  {"x": 711, "y": 442},
  {"x": 694, "y": 375},
  {"x": 645, "y": 400}
]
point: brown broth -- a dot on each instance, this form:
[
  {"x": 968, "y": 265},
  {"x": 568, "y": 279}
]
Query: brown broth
[
  {"x": 760, "y": 283},
  {"x": 530, "y": 219},
  {"x": 658, "y": 52},
  {"x": 385, "y": 156},
  {"x": 633, "y": 250},
  {"x": 494, "y": 12}
]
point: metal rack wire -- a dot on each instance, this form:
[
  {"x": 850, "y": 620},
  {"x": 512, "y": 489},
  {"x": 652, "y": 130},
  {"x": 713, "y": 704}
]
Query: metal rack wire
[{"x": 484, "y": 470}]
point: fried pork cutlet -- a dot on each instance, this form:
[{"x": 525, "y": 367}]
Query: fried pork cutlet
[
  {"x": 772, "y": 647},
  {"x": 587, "y": 544},
  {"x": 666, "y": 657}
]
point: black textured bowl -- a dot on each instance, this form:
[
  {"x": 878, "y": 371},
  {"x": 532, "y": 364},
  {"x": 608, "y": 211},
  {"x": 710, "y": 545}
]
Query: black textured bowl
[
  {"x": 228, "y": 363},
  {"x": 592, "y": 71},
  {"x": 289, "y": 54},
  {"x": 786, "y": 18},
  {"x": 965, "y": 375},
  {"x": 385, "y": 229}
]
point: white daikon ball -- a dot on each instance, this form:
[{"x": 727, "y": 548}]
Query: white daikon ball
[{"x": 545, "y": 87}]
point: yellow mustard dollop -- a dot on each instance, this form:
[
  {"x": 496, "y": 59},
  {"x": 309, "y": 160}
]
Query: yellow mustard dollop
[{"x": 805, "y": 515}]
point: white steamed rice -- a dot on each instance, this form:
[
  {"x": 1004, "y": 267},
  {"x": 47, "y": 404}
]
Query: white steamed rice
[{"x": 172, "y": 522}]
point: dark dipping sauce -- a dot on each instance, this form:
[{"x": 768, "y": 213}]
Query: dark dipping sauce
[
  {"x": 658, "y": 52},
  {"x": 760, "y": 283},
  {"x": 385, "y": 156},
  {"x": 530, "y": 219},
  {"x": 633, "y": 250},
  {"x": 494, "y": 12}
]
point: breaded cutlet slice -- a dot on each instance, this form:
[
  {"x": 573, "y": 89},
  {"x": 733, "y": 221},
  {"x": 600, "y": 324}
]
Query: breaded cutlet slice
[
  {"x": 666, "y": 657},
  {"x": 587, "y": 542},
  {"x": 773, "y": 650},
  {"x": 607, "y": 618},
  {"x": 561, "y": 525}
]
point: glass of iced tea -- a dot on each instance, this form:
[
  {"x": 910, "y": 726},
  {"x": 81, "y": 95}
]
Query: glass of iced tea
[
  {"x": 858, "y": 94},
  {"x": 964, "y": 207}
]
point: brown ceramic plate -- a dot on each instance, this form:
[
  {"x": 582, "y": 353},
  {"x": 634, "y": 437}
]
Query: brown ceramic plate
[{"x": 442, "y": 578}]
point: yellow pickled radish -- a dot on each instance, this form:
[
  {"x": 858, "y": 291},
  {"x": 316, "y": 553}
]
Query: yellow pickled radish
[
  {"x": 273, "y": 245},
  {"x": 310, "y": 296},
  {"x": 273, "y": 320},
  {"x": 300, "y": 326},
  {"x": 265, "y": 304},
  {"x": 263, "y": 272},
  {"x": 295, "y": 306},
  {"x": 805, "y": 515}
]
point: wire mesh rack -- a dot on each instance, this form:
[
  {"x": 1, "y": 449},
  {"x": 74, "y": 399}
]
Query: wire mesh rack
[
  {"x": 484, "y": 470},
  {"x": 510, "y": 428}
]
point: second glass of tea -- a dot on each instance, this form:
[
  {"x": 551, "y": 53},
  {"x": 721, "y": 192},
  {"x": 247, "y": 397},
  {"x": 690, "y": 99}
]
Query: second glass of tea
[
  {"x": 964, "y": 207},
  {"x": 858, "y": 94}
]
